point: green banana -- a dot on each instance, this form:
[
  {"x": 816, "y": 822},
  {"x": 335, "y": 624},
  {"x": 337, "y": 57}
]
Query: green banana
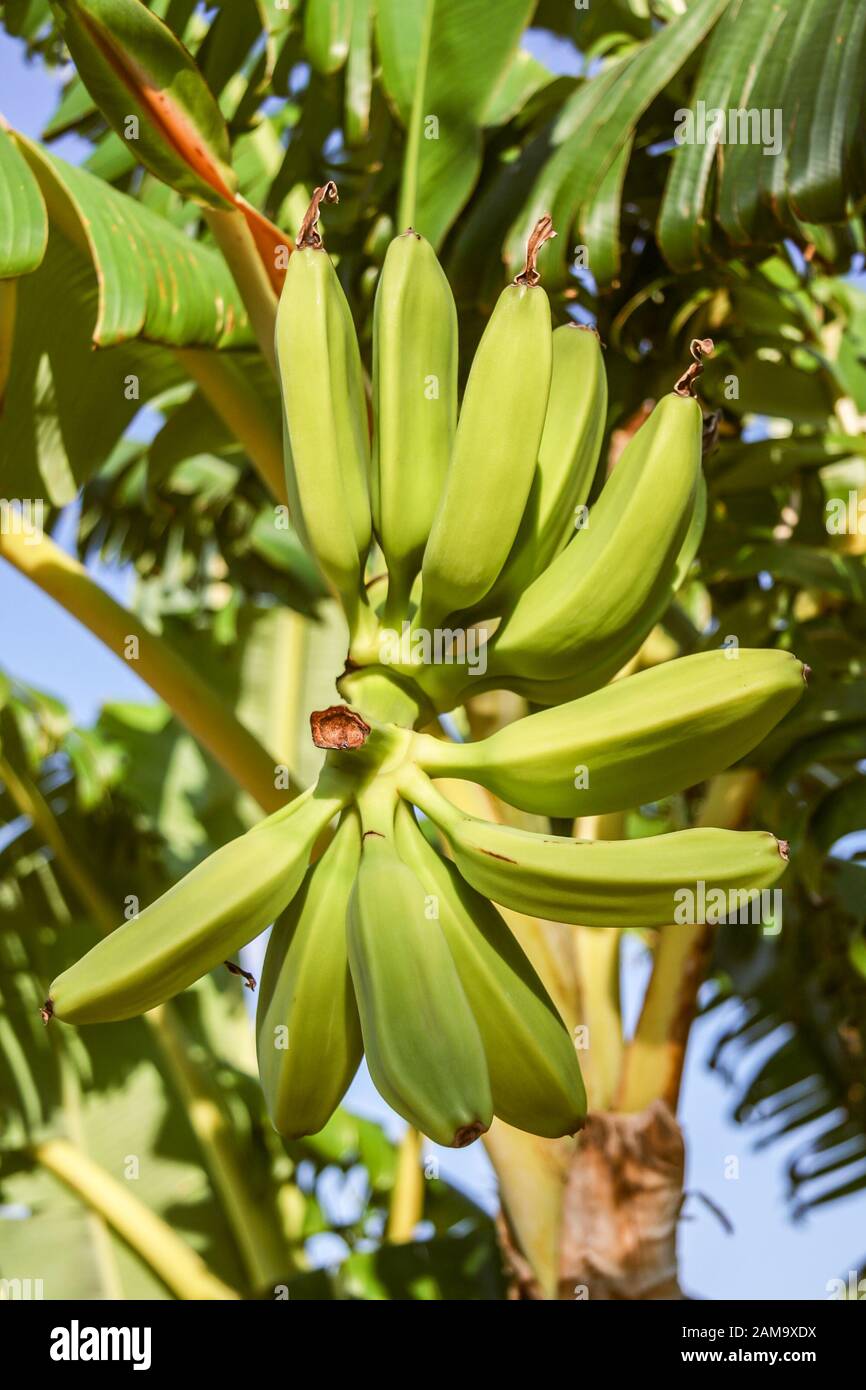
[
  {"x": 308, "y": 1034},
  {"x": 326, "y": 430},
  {"x": 593, "y": 606},
  {"x": 600, "y": 883},
  {"x": 494, "y": 458},
  {"x": 534, "y": 1072},
  {"x": 414, "y": 406},
  {"x": 567, "y": 460},
  {"x": 639, "y": 739},
  {"x": 208, "y": 916},
  {"x": 422, "y": 1044}
]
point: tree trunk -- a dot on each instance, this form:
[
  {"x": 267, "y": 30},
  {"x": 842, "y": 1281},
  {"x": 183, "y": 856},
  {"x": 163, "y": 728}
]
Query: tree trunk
[{"x": 621, "y": 1200}]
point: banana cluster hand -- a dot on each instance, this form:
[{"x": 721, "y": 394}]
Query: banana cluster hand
[{"x": 384, "y": 947}]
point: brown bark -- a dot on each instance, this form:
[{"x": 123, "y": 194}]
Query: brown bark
[
  {"x": 621, "y": 1207},
  {"x": 621, "y": 1202}
]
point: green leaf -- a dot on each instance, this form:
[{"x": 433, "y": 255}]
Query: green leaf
[
  {"x": 359, "y": 74},
  {"x": 399, "y": 37},
  {"x": 327, "y": 33},
  {"x": 599, "y": 223},
  {"x": 822, "y": 173},
  {"x": 232, "y": 32},
  {"x": 750, "y": 467},
  {"x": 841, "y": 813},
  {"x": 154, "y": 281},
  {"x": 752, "y": 201},
  {"x": 66, "y": 406},
  {"x": 520, "y": 80},
  {"x": 75, "y": 105},
  {"x": 150, "y": 91},
  {"x": 25, "y": 18},
  {"x": 684, "y": 220},
  {"x": 802, "y": 565},
  {"x": 462, "y": 1267},
  {"x": 459, "y": 58},
  {"x": 609, "y": 114},
  {"x": 769, "y": 387},
  {"x": 23, "y": 220}
]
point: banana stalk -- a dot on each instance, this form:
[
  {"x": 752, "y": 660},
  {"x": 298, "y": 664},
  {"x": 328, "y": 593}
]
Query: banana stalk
[
  {"x": 654, "y": 1059},
  {"x": 407, "y": 1199}
]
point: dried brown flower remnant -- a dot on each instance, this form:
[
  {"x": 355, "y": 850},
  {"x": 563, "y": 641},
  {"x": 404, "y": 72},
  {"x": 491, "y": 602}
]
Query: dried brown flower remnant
[{"x": 338, "y": 727}]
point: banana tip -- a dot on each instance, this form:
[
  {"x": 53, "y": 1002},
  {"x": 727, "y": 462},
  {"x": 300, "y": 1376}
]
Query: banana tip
[
  {"x": 783, "y": 849},
  {"x": 468, "y": 1134},
  {"x": 807, "y": 671},
  {"x": 46, "y": 1013}
]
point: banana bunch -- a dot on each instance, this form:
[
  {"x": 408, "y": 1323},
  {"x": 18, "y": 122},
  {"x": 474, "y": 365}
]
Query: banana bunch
[{"x": 390, "y": 945}]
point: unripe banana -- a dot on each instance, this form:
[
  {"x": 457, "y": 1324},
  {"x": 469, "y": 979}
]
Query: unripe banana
[
  {"x": 422, "y": 1044},
  {"x": 593, "y": 606},
  {"x": 308, "y": 1034},
  {"x": 328, "y": 453},
  {"x": 567, "y": 688},
  {"x": 203, "y": 920},
  {"x": 414, "y": 406},
  {"x": 567, "y": 460},
  {"x": 534, "y": 1072},
  {"x": 601, "y": 883},
  {"x": 632, "y": 742},
  {"x": 494, "y": 457}
]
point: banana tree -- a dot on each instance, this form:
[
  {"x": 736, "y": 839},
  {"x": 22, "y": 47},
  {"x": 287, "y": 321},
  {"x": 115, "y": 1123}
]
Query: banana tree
[{"x": 681, "y": 247}]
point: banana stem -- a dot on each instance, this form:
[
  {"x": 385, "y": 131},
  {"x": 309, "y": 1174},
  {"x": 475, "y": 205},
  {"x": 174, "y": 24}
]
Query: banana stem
[
  {"x": 231, "y": 397},
  {"x": 203, "y": 713},
  {"x": 654, "y": 1059},
  {"x": 377, "y": 803},
  {"x": 171, "y": 1258},
  {"x": 597, "y": 958},
  {"x": 407, "y": 1199},
  {"x": 597, "y": 954},
  {"x": 417, "y": 787},
  {"x": 237, "y": 244},
  {"x": 532, "y": 1175}
]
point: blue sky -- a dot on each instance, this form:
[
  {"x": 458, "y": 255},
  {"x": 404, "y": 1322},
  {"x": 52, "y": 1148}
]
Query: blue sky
[{"x": 768, "y": 1257}]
